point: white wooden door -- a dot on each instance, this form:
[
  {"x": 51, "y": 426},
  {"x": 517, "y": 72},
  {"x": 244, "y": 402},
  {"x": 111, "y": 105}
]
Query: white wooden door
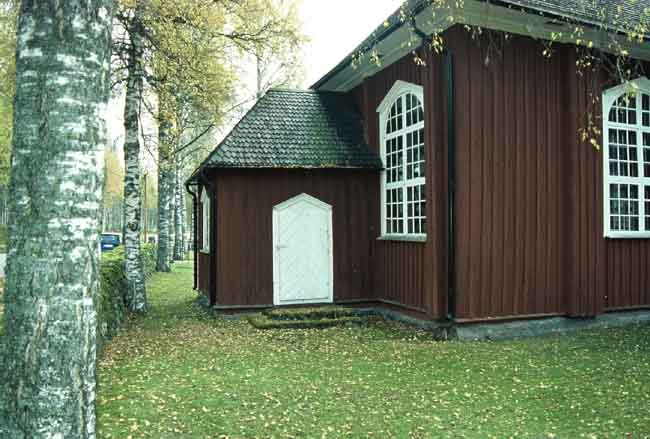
[{"x": 302, "y": 252}]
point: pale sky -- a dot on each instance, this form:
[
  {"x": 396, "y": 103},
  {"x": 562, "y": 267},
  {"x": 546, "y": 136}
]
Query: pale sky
[{"x": 335, "y": 28}]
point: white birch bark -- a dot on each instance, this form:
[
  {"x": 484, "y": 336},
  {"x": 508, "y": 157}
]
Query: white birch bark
[
  {"x": 183, "y": 215},
  {"x": 49, "y": 387},
  {"x": 164, "y": 199},
  {"x": 172, "y": 215},
  {"x": 136, "y": 295},
  {"x": 179, "y": 253}
]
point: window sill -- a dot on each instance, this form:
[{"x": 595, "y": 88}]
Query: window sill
[
  {"x": 623, "y": 235},
  {"x": 403, "y": 238},
  {"x": 204, "y": 252}
]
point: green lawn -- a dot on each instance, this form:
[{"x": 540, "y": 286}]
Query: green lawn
[{"x": 179, "y": 373}]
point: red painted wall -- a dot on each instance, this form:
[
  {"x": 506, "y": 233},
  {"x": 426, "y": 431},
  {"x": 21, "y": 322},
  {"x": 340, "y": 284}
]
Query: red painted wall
[
  {"x": 245, "y": 201},
  {"x": 529, "y": 200}
]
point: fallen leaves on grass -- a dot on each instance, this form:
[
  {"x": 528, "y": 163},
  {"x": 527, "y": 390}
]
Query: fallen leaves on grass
[{"x": 180, "y": 372}]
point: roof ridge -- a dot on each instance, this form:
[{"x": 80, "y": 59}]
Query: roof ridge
[{"x": 305, "y": 91}]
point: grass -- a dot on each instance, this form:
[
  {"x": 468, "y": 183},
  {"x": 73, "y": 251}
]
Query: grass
[{"x": 179, "y": 372}]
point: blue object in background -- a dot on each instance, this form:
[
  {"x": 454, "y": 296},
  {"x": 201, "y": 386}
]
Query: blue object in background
[{"x": 110, "y": 241}]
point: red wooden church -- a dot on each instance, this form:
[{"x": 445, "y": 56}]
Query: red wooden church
[{"x": 458, "y": 190}]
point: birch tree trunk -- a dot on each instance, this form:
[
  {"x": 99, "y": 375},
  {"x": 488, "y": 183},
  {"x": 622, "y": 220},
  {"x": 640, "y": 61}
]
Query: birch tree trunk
[
  {"x": 164, "y": 199},
  {"x": 136, "y": 296},
  {"x": 181, "y": 189},
  {"x": 178, "y": 213},
  {"x": 63, "y": 56},
  {"x": 172, "y": 214}
]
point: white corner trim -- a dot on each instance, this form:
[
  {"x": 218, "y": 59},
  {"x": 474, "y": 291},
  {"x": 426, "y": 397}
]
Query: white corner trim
[
  {"x": 204, "y": 196},
  {"x": 398, "y": 89},
  {"x": 206, "y": 222}
]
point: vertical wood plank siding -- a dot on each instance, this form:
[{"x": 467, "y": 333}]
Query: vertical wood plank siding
[
  {"x": 605, "y": 274},
  {"x": 530, "y": 192},
  {"x": 529, "y": 199},
  {"x": 509, "y": 222},
  {"x": 405, "y": 272},
  {"x": 245, "y": 229}
]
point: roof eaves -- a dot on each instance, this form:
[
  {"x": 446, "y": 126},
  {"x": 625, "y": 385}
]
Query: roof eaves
[
  {"x": 395, "y": 21},
  {"x": 396, "y": 18},
  {"x": 370, "y": 166}
]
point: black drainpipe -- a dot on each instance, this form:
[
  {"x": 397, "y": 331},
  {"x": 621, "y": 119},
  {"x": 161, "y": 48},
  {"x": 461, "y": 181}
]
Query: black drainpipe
[
  {"x": 451, "y": 187},
  {"x": 195, "y": 209},
  {"x": 451, "y": 175},
  {"x": 212, "y": 279}
]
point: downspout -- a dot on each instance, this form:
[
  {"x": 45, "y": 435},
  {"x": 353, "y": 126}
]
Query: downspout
[
  {"x": 451, "y": 186},
  {"x": 212, "y": 284},
  {"x": 451, "y": 175},
  {"x": 195, "y": 238}
]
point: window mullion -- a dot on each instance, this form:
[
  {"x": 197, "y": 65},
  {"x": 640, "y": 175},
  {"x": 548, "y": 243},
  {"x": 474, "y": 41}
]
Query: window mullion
[
  {"x": 639, "y": 161},
  {"x": 640, "y": 183},
  {"x": 404, "y": 167}
]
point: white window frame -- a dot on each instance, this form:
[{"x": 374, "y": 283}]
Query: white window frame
[
  {"x": 205, "y": 217},
  {"x": 399, "y": 89},
  {"x": 610, "y": 97}
]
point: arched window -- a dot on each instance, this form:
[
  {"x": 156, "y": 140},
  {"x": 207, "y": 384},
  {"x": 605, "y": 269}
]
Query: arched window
[
  {"x": 403, "y": 183},
  {"x": 626, "y": 135}
]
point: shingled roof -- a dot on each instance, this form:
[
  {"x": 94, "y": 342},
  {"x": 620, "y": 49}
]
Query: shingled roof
[
  {"x": 296, "y": 129},
  {"x": 625, "y": 12}
]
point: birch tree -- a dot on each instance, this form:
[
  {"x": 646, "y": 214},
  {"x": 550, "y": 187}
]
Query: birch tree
[
  {"x": 136, "y": 294},
  {"x": 179, "y": 212},
  {"x": 186, "y": 50},
  {"x": 56, "y": 188},
  {"x": 164, "y": 198},
  {"x": 171, "y": 187},
  {"x": 8, "y": 22},
  {"x": 278, "y": 60},
  {"x": 269, "y": 30}
]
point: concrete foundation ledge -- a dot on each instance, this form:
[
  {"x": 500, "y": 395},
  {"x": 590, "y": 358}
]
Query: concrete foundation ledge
[
  {"x": 497, "y": 330},
  {"x": 440, "y": 330},
  {"x": 550, "y": 326}
]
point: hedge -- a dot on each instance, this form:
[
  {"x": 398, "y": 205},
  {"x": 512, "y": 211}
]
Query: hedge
[{"x": 110, "y": 306}]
